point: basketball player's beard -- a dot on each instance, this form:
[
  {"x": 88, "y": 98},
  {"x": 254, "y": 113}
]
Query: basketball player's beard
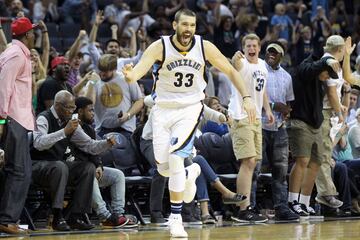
[{"x": 179, "y": 38}]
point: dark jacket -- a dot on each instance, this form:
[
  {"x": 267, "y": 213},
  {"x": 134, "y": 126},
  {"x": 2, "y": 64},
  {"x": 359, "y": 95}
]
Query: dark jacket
[
  {"x": 57, "y": 151},
  {"x": 309, "y": 91}
]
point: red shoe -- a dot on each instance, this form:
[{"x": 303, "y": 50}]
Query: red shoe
[
  {"x": 132, "y": 223},
  {"x": 115, "y": 221}
]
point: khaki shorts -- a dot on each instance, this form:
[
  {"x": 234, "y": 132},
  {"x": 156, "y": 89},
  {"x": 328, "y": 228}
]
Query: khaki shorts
[
  {"x": 305, "y": 141},
  {"x": 246, "y": 139},
  {"x": 325, "y": 131}
]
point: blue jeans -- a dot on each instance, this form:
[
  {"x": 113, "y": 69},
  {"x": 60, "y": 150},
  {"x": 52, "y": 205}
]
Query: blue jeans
[
  {"x": 276, "y": 152},
  {"x": 115, "y": 179},
  {"x": 207, "y": 175},
  {"x": 342, "y": 183}
]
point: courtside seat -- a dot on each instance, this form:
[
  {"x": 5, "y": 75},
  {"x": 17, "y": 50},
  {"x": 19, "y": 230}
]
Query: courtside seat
[{"x": 126, "y": 157}]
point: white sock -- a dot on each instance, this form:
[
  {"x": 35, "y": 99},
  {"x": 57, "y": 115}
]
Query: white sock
[
  {"x": 293, "y": 197},
  {"x": 304, "y": 200}
]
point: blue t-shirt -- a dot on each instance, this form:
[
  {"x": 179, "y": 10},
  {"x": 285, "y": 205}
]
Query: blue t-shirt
[
  {"x": 285, "y": 22},
  {"x": 211, "y": 126}
]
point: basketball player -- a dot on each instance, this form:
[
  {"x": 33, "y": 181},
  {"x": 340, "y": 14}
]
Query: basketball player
[
  {"x": 178, "y": 92},
  {"x": 247, "y": 135}
]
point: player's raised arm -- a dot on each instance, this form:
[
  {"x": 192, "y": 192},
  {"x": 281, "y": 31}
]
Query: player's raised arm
[
  {"x": 218, "y": 60},
  {"x": 152, "y": 54},
  {"x": 349, "y": 48}
]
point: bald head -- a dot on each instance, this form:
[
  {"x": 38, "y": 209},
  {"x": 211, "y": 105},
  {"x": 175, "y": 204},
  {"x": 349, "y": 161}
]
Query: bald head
[
  {"x": 63, "y": 96},
  {"x": 64, "y": 104}
]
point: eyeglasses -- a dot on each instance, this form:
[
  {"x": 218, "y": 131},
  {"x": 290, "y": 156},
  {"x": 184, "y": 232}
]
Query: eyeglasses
[{"x": 70, "y": 109}]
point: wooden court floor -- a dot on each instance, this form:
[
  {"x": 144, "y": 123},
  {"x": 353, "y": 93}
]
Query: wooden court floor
[{"x": 328, "y": 230}]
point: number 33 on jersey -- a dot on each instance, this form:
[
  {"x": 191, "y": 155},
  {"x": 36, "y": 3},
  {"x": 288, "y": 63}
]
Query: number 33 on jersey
[{"x": 182, "y": 73}]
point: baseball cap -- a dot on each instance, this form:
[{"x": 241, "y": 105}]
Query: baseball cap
[
  {"x": 333, "y": 41},
  {"x": 58, "y": 60},
  {"x": 277, "y": 48},
  {"x": 21, "y": 25}
]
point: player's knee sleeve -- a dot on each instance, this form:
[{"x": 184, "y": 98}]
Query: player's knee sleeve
[
  {"x": 177, "y": 181},
  {"x": 177, "y": 174},
  {"x": 163, "y": 169},
  {"x": 176, "y": 164}
]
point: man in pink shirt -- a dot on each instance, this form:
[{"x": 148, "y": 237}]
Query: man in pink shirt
[{"x": 16, "y": 119}]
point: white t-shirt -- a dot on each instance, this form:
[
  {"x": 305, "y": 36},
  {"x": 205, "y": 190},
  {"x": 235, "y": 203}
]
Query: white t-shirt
[
  {"x": 338, "y": 83},
  {"x": 255, "y": 76}
]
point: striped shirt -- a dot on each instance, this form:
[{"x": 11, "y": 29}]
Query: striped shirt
[
  {"x": 279, "y": 89},
  {"x": 73, "y": 77},
  {"x": 16, "y": 82}
]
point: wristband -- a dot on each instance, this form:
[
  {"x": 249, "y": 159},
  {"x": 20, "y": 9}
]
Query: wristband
[
  {"x": 3, "y": 121},
  {"x": 347, "y": 92},
  {"x": 272, "y": 105},
  {"x": 247, "y": 96},
  {"x": 44, "y": 31}
]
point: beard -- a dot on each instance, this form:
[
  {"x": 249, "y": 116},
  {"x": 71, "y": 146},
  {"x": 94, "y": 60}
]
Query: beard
[
  {"x": 106, "y": 79},
  {"x": 184, "y": 40}
]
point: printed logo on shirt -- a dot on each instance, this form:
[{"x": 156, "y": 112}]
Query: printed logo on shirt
[
  {"x": 259, "y": 78},
  {"x": 183, "y": 62}
]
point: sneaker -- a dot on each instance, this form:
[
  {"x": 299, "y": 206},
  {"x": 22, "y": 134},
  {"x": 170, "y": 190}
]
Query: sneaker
[
  {"x": 194, "y": 171},
  {"x": 157, "y": 218},
  {"x": 336, "y": 213},
  {"x": 115, "y": 221},
  {"x": 300, "y": 210},
  {"x": 249, "y": 216},
  {"x": 237, "y": 198},
  {"x": 176, "y": 227},
  {"x": 190, "y": 220},
  {"x": 313, "y": 214},
  {"x": 208, "y": 219},
  {"x": 285, "y": 214},
  {"x": 60, "y": 225},
  {"x": 355, "y": 205},
  {"x": 329, "y": 201},
  {"x": 132, "y": 223}
]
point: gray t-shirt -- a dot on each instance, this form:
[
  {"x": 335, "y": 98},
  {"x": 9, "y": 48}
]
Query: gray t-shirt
[
  {"x": 112, "y": 97},
  {"x": 354, "y": 140}
]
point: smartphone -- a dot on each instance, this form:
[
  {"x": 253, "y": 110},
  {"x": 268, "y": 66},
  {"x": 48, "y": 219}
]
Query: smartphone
[
  {"x": 120, "y": 114},
  {"x": 75, "y": 116}
]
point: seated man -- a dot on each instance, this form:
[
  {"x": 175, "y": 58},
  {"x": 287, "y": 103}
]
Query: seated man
[
  {"x": 354, "y": 136},
  {"x": 53, "y": 162},
  {"x": 105, "y": 176}
]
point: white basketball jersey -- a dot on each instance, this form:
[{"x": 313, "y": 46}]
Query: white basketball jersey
[
  {"x": 255, "y": 77},
  {"x": 179, "y": 81}
]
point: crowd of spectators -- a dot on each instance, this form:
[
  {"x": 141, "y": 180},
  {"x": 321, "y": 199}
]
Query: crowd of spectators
[{"x": 82, "y": 45}]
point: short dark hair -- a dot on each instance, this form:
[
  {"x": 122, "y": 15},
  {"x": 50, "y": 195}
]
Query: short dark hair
[
  {"x": 186, "y": 12},
  {"x": 110, "y": 41},
  {"x": 82, "y": 102}
]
